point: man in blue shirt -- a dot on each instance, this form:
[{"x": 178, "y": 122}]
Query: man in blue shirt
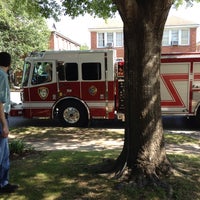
[{"x": 5, "y": 186}]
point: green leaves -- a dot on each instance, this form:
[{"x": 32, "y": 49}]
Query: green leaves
[
  {"x": 187, "y": 3},
  {"x": 21, "y": 31},
  {"x": 99, "y": 8}
]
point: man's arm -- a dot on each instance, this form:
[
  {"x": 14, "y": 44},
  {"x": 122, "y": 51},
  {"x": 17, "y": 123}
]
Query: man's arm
[{"x": 3, "y": 121}]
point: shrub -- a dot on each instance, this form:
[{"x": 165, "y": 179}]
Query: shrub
[{"x": 19, "y": 147}]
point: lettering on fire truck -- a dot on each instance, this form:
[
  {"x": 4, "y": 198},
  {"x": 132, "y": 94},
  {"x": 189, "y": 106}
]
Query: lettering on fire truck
[{"x": 76, "y": 86}]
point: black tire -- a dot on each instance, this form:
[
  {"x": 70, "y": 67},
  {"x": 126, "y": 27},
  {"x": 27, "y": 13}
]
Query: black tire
[{"x": 73, "y": 114}]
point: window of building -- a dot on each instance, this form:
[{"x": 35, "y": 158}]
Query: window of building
[
  {"x": 108, "y": 39},
  {"x": 165, "y": 39},
  {"x": 174, "y": 37},
  {"x": 101, "y": 40},
  {"x": 184, "y": 37},
  {"x": 119, "y": 39},
  {"x": 91, "y": 71}
]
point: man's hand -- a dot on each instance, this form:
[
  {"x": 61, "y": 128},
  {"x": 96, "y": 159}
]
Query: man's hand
[
  {"x": 3, "y": 121},
  {"x": 5, "y": 132}
]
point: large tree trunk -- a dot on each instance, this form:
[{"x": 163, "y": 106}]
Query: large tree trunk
[{"x": 144, "y": 149}]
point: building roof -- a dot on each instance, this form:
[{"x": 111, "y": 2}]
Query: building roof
[
  {"x": 116, "y": 23},
  {"x": 109, "y": 24},
  {"x": 64, "y": 37},
  {"x": 174, "y": 21}
]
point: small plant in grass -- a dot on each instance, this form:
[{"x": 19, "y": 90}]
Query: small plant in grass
[{"x": 19, "y": 147}]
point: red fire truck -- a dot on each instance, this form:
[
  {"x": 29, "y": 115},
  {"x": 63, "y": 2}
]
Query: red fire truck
[
  {"x": 76, "y": 86},
  {"x": 73, "y": 86}
]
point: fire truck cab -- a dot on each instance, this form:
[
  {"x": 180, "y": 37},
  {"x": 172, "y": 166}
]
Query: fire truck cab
[{"x": 73, "y": 86}]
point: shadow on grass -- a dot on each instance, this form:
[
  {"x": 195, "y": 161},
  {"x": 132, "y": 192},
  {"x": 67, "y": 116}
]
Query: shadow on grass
[
  {"x": 69, "y": 175},
  {"x": 186, "y": 179}
]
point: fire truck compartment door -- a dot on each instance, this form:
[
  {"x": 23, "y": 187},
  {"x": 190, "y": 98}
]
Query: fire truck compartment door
[
  {"x": 95, "y": 84},
  {"x": 93, "y": 76},
  {"x": 175, "y": 87}
]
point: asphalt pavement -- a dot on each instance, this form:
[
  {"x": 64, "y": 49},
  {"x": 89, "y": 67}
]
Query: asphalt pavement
[{"x": 169, "y": 123}]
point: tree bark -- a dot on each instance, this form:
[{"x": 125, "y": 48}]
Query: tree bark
[{"x": 144, "y": 148}]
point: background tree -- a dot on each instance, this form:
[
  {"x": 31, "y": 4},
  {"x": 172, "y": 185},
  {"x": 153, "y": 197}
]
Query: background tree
[
  {"x": 84, "y": 47},
  {"x": 143, "y": 154},
  {"x": 21, "y": 32}
]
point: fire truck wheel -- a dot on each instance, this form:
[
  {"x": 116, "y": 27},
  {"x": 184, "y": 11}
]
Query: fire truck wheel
[
  {"x": 197, "y": 117},
  {"x": 73, "y": 114}
]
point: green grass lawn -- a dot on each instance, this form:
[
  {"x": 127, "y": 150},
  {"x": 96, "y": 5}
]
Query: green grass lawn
[{"x": 73, "y": 175}]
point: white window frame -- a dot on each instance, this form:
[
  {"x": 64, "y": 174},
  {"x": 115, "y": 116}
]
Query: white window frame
[
  {"x": 106, "y": 40},
  {"x": 167, "y": 36},
  {"x": 188, "y": 37},
  {"x": 121, "y": 40},
  {"x": 109, "y": 38},
  {"x": 179, "y": 38},
  {"x": 103, "y": 40}
]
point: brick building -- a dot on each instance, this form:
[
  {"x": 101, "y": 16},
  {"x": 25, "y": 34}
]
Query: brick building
[
  {"x": 58, "y": 41},
  {"x": 179, "y": 35},
  {"x": 108, "y": 34}
]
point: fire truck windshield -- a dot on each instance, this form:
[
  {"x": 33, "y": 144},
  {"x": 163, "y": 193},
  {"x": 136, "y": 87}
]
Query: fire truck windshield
[
  {"x": 26, "y": 72},
  {"x": 42, "y": 73}
]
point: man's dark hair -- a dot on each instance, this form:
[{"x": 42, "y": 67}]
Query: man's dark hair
[{"x": 5, "y": 59}]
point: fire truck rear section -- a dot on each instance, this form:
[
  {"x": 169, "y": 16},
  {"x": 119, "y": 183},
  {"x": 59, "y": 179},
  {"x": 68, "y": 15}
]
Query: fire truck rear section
[{"x": 76, "y": 86}]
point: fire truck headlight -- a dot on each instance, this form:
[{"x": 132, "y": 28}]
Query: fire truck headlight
[{"x": 60, "y": 94}]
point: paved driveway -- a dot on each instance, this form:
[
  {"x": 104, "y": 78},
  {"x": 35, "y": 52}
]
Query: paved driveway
[{"x": 91, "y": 138}]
